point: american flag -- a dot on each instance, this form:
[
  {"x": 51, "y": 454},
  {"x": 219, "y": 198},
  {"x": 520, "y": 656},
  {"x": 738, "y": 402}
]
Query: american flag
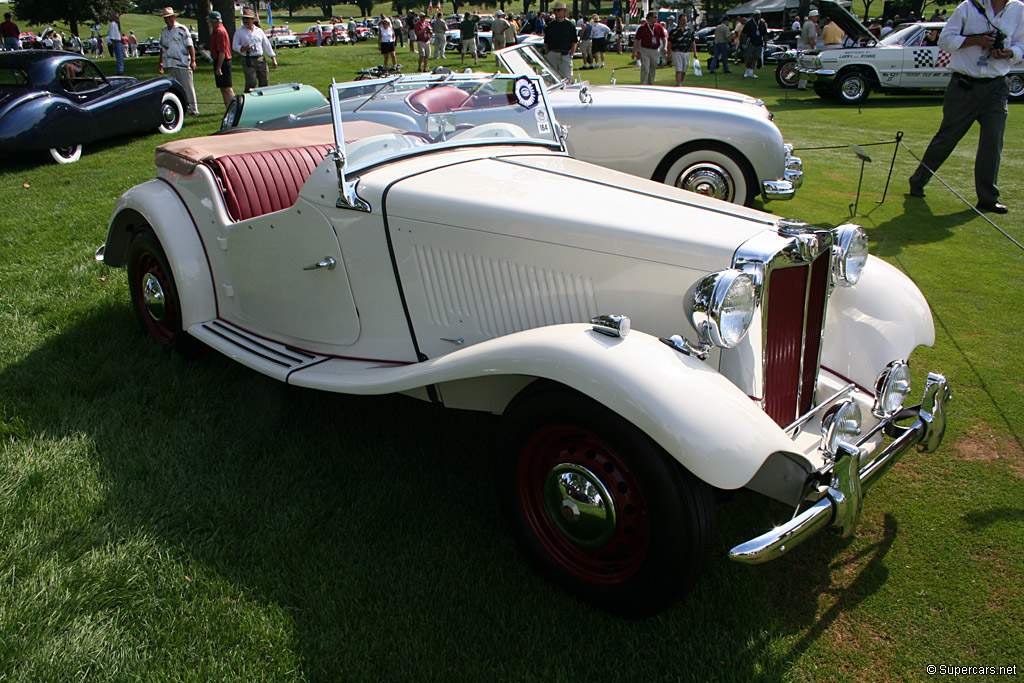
[{"x": 632, "y": 8}]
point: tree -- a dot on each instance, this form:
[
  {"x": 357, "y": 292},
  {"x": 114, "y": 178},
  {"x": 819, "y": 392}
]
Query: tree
[
  {"x": 73, "y": 12},
  {"x": 327, "y": 8}
]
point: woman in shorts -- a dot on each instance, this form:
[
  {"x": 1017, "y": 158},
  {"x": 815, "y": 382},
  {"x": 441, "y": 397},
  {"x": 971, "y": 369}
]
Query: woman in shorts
[{"x": 386, "y": 41}]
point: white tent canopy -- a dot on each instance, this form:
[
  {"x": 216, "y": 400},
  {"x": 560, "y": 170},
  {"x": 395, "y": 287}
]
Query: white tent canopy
[{"x": 767, "y": 6}]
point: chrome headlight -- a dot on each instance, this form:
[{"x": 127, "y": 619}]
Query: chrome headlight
[
  {"x": 851, "y": 254},
  {"x": 722, "y": 307},
  {"x": 840, "y": 425},
  {"x": 892, "y": 389}
]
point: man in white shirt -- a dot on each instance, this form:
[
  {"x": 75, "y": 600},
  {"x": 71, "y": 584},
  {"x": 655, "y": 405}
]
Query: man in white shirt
[
  {"x": 984, "y": 37},
  {"x": 116, "y": 46},
  {"x": 251, "y": 42},
  {"x": 178, "y": 56}
]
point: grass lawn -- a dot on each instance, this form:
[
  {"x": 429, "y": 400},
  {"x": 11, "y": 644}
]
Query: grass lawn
[{"x": 162, "y": 519}]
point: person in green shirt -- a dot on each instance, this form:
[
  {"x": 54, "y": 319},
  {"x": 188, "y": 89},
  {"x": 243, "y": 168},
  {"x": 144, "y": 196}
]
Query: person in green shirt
[{"x": 467, "y": 36}]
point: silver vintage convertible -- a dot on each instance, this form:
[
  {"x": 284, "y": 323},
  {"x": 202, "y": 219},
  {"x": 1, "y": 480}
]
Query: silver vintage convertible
[
  {"x": 717, "y": 143},
  {"x": 644, "y": 346}
]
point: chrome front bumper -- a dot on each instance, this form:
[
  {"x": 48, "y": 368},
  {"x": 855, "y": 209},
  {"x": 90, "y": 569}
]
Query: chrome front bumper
[
  {"x": 840, "y": 506},
  {"x": 793, "y": 178}
]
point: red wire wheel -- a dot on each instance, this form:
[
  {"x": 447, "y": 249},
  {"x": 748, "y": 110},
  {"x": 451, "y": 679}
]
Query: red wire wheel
[
  {"x": 583, "y": 504},
  {"x": 597, "y": 505},
  {"x": 154, "y": 294}
]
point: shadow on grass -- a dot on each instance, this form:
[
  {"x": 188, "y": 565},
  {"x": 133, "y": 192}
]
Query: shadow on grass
[
  {"x": 370, "y": 524},
  {"x": 915, "y": 225}
]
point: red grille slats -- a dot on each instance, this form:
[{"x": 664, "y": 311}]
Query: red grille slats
[
  {"x": 815, "y": 322},
  {"x": 787, "y": 288}
]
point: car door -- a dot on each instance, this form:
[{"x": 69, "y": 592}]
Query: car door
[
  {"x": 110, "y": 110},
  {"x": 288, "y": 278},
  {"x": 924, "y": 64}
]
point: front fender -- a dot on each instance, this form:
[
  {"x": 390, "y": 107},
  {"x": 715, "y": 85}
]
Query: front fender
[
  {"x": 882, "y": 318},
  {"x": 715, "y": 430},
  {"x": 155, "y": 204}
]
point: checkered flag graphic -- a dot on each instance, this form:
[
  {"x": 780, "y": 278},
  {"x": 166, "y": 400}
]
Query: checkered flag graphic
[
  {"x": 924, "y": 59},
  {"x": 943, "y": 59}
]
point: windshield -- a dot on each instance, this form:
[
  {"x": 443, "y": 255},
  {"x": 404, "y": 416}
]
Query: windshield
[
  {"x": 389, "y": 118},
  {"x": 902, "y": 35},
  {"x": 525, "y": 61}
]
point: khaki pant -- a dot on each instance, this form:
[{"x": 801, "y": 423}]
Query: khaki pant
[{"x": 648, "y": 65}]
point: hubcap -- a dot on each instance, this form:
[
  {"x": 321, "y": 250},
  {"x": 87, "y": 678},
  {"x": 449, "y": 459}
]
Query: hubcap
[
  {"x": 580, "y": 505},
  {"x": 709, "y": 180},
  {"x": 153, "y": 297},
  {"x": 853, "y": 88},
  {"x": 1016, "y": 83},
  {"x": 66, "y": 152},
  {"x": 169, "y": 113}
]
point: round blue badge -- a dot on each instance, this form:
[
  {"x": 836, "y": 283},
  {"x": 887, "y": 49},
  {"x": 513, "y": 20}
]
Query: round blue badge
[{"x": 526, "y": 92}]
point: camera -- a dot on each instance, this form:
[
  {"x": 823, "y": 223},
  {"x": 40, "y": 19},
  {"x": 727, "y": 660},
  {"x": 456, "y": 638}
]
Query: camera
[{"x": 1000, "y": 40}]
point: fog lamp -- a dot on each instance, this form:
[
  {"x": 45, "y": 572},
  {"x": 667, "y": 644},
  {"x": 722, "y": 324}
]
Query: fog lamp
[
  {"x": 891, "y": 389},
  {"x": 841, "y": 424}
]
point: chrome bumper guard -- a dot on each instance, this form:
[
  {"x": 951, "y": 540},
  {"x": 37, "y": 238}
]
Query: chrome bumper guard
[
  {"x": 840, "y": 507},
  {"x": 792, "y": 179}
]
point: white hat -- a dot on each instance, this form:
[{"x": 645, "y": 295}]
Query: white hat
[{"x": 813, "y": 13}]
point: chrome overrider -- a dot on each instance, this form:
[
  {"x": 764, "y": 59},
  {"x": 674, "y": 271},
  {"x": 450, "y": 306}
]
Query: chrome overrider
[
  {"x": 839, "y": 508},
  {"x": 792, "y": 179}
]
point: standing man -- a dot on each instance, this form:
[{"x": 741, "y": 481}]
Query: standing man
[
  {"x": 178, "y": 56},
  {"x": 983, "y": 37},
  {"x": 601, "y": 33},
  {"x": 723, "y": 38},
  {"x": 319, "y": 34},
  {"x": 650, "y": 40},
  {"x": 353, "y": 35},
  {"x": 809, "y": 36},
  {"x": 116, "y": 46},
  {"x": 423, "y": 33},
  {"x": 11, "y": 34},
  {"x": 220, "y": 51},
  {"x": 831, "y": 35},
  {"x": 251, "y": 43},
  {"x": 467, "y": 36},
  {"x": 498, "y": 28},
  {"x": 440, "y": 36},
  {"x": 560, "y": 41},
  {"x": 682, "y": 43},
  {"x": 755, "y": 33},
  {"x": 586, "y": 34}
]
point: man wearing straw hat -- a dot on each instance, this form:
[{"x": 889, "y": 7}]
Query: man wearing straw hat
[
  {"x": 560, "y": 41},
  {"x": 251, "y": 42},
  {"x": 178, "y": 56}
]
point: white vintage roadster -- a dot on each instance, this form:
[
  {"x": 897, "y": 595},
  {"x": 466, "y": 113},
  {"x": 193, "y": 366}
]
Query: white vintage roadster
[{"x": 645, "y": 346}]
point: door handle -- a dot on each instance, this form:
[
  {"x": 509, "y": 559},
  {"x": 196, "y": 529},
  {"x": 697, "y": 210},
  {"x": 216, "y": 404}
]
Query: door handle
[{"x": 327, "y": 263}]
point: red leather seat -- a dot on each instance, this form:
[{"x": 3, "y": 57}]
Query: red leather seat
[
  {"x": 258, "y": 183},
  {"x": 437, "y": 100}
]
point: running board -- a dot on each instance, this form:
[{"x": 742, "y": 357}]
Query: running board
[{"x": 265, "y": 356}]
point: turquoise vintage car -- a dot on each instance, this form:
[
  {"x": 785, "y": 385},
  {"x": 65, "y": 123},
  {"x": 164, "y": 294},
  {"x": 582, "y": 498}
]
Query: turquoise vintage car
[{"x": 263, "y": 104}]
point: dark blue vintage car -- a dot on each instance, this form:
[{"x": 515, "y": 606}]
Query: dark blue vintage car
[{"x": 58, "y": 101}]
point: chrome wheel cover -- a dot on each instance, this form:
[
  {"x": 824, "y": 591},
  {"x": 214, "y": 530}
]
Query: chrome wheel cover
[
  {"x": 710, "y": 180},
  {"x": 153, "y": 297},
  {"x": 1015, "y": 82},
  {"x": 580, "y": 505},
  {"x": 853, "y": 88},
  {"x": 168, "y": 114}
]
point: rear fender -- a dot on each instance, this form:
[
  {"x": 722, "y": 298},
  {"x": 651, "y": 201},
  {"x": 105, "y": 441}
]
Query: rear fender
[{"x": 156, "y": 205}]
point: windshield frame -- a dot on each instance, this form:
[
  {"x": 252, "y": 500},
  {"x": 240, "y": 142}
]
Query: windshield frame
[{"x": 549, "y": 76}]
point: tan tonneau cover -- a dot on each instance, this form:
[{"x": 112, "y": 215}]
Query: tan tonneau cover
[{"x": 183, "y": 155}]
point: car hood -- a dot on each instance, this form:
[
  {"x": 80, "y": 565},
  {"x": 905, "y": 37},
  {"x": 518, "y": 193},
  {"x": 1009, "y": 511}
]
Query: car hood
[
  {"x": 850, "y": 24},
  {"x": 516, "y": 195},
  {"x": 646, "y": 95}
]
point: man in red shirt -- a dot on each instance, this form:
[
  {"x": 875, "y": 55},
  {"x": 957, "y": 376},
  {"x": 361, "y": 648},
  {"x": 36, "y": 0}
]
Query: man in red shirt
[
  {"x": 220, "y": 51},
  {"x": 10, "y": 32},
  {"x": 423, "y": 32},
  {"x": 650, "y": 41}
]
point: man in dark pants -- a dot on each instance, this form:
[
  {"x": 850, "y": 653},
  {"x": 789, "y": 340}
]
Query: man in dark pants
[
  {"x": 560, "y": 41},
  {"x": 977, "y": 91}
]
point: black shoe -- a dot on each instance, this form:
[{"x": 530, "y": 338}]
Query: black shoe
[
  {"x": 916, "y": 190},
  {"x": 993, "y": 207}
]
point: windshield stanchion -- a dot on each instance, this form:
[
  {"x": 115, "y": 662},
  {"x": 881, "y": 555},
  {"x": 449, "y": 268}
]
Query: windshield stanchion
[{"x": 347, "y": 197}]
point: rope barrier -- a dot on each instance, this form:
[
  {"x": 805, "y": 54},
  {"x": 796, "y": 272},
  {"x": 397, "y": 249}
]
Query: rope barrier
[{"x": 898, "y": 142}]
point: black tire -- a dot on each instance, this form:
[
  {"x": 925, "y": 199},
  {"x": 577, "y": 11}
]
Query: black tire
[
  {"x": 786, "y": 74},
  {"x": 709, "y": 168},
  {"x": 155, "y": 296},
  {"x": 852, "y": 87},
  {"x": 645, "y": 538},
  {"x": 1015, "y": 83},
  {"x": 823, "y": 91}
]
